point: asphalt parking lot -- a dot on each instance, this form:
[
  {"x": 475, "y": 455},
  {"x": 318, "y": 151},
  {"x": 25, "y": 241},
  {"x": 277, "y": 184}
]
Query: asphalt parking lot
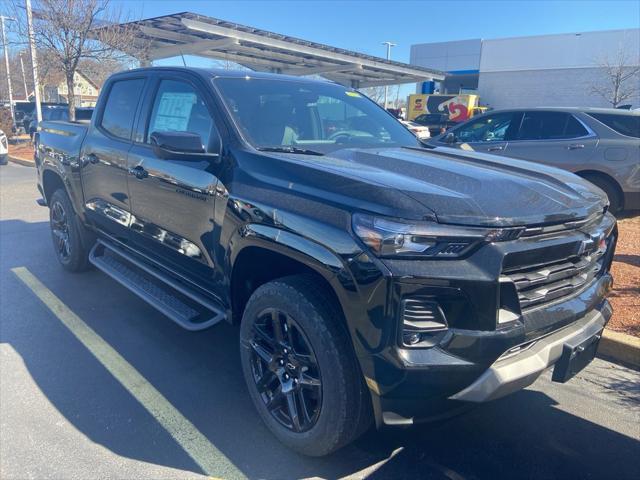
[{"x": 96, "y": 384}]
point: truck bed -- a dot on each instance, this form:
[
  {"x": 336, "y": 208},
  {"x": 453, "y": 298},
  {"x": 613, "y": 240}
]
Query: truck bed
[{"x": 61, "y": 137}]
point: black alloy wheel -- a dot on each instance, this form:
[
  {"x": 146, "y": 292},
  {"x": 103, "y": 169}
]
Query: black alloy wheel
[
  {"x": 71, "y": 241},
  {"x": 285, "y": 370},
  {"x": 60, "y": 231}
]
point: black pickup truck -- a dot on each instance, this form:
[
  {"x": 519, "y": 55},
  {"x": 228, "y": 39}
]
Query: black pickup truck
[{"x": 374, "y": 279}]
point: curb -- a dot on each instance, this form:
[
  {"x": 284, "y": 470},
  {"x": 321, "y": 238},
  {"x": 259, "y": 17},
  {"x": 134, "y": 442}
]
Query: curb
[
  {"x": 21, "y": 161},
  {"x": 620, "y": 347}
]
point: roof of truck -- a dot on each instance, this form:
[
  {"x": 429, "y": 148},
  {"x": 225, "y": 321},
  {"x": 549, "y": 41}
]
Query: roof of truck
[{"x": 222, "y": 73}]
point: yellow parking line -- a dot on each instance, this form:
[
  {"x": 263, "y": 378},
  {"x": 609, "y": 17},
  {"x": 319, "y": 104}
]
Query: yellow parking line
[{"x": 193, "y": 442}]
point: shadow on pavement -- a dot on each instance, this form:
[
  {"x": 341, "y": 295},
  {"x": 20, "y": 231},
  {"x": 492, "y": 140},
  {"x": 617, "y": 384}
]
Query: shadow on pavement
[{"x": 523, "y": 436}]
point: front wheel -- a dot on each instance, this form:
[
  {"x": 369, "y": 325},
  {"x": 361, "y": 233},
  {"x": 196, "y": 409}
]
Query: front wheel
[
  {"x": 67, "y": 233},
  {"x": 300, "y": 368}
]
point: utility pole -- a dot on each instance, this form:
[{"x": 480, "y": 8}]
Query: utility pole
[
  {"x": 389, "y": 45},
  {"x": 24, "y": 78},
  {"x": 34, "y": 61},
  {"x": 6, "y": 64}
]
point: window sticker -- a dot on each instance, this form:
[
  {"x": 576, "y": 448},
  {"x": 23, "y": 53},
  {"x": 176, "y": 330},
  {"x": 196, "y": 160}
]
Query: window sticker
[
  {"x": 353, "y": 94},
  {"x": 174, "y": 111}
]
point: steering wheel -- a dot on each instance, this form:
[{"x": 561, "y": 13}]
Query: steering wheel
[{"x": 341, "y": 137}]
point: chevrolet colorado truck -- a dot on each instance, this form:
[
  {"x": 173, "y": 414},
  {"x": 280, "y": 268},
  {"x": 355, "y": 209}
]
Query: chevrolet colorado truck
[{"x": 373, "y": 279}]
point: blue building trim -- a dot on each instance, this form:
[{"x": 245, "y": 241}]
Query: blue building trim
[{"x": 463, "y": 72}]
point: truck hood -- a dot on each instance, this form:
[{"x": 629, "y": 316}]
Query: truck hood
[{"x": 467, "y": 188}]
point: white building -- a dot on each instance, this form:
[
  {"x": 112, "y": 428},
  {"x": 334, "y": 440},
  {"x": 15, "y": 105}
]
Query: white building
[{"x": 543, "y": 70}]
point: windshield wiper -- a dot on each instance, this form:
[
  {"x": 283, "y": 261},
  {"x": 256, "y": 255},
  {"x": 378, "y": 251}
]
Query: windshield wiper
[
  {"x": 289, "y": 149},
  {"x": 423, "y": 146}
]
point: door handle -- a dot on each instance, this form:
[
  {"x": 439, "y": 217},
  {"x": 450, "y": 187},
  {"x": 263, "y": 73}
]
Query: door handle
[
  {"x": 139, "y": 172},
  {"x": 575, "y": 146},
  {"x": 495, "y": 148},
  {"x": 90, "y": 158}
]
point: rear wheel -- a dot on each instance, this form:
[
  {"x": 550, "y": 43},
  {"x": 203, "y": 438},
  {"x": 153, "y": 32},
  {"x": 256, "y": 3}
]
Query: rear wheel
[
  {"x": 610, "y": 188},
  {"x": 300, "y": 368},
  {"x": 67, "y": 233}
]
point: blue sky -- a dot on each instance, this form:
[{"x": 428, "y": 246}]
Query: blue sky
[{"x": 363, "y": 25}]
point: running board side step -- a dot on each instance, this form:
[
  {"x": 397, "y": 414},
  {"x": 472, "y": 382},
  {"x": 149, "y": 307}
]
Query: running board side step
[{"x": 187, "y": 308}]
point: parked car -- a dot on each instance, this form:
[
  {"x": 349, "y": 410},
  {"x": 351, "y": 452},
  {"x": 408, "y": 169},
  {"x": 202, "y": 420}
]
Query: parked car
[
  {"x": 600, "y": 145},
  {"x": 83, "y": 114},
  {"x": 4, "y": 148},
  {"x": 437, "y": 123},
  {"x": 373, "y": 279},
  {"x": 418, "y": 130}
]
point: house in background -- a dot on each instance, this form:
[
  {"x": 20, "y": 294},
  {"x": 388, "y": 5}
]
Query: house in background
[{"x": 86, "y": 91}]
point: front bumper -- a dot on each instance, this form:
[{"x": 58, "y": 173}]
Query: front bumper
[
  {"x": 459, "y": 365},
  {"x": 513, "y": 373}
]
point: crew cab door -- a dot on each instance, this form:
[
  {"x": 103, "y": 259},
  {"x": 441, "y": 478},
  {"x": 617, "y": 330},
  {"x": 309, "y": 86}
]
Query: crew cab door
[
  {"x": 104, "y": 157},
  {"x": 553, "y": 138},
  {"x": 172, "y": 201},
  {"x": 488, "y": 133}
]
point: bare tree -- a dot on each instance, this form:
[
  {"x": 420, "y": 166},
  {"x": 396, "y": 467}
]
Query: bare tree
[
  {"x": 621, "y": 72},
  {"x": 374, "y": 93},
  {"x": 75, "y": 31}
]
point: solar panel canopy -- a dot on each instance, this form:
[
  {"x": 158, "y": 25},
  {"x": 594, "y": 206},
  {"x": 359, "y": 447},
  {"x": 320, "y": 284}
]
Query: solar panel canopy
[{"x": 259, "y": 50}]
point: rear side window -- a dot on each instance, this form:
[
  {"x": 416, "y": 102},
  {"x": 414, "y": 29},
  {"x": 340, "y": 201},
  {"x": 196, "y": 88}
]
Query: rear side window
[
  {"x": 550, "y": 126},
  {"x": 628, "y": 125},
  {"x": 120, "y": 108}
]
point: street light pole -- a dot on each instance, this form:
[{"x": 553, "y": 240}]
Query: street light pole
[
  {"x": 24, "y": 78},
  {"x": 34, "y": 60},
  {"x": 6, "y": 63},
  {"x": 389, "y": 45}
]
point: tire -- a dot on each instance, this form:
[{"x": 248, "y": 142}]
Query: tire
[
  {"x": 610, "y": 188},
  {"x": 339, "y": 409},
  {"x": 70, "y": 240}
]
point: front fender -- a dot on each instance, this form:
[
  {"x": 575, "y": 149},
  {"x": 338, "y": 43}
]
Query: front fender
[{"x": 308, "y": 252}]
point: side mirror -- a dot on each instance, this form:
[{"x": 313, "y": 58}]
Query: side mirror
[
  {"x": 450, "y": 138},
  {"x": 179, "y": 146}
]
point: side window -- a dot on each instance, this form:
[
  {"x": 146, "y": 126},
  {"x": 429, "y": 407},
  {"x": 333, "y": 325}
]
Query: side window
[
  {"x": 489, "y": 128},
  {"x": 628, "y": 125},
  {"x": 179, "y": 108},
  {"x": 574, "y": 128},
  {"x": 120, "y": 108},
  {"x": 542, "y": 125},
  {"x": 550, "y": 126}
]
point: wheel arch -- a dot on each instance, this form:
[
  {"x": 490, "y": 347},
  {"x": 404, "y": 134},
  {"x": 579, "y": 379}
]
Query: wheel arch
[
  {"x": 51, "y": 181},
  {"x": 279, "y": 253}
]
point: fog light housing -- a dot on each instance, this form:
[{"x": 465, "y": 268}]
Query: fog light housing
[
  {"x": 419, "y": 318},
  {"x": 411, "y": 338}
]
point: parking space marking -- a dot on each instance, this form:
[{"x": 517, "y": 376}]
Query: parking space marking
[{"x": 213, "y": 462}]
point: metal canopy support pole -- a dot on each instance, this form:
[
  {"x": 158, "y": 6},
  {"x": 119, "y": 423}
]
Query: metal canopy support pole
[
  {"x": 6, "y": 63},
  {"x": 34, "y": 61},
  {"x": 386, "y": 87}
]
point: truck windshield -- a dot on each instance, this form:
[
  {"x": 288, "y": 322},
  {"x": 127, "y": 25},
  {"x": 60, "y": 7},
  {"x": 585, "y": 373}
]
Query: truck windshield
[{"x": 317, "y": 116}]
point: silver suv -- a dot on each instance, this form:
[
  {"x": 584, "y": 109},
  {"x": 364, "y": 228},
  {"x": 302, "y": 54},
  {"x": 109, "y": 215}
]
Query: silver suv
[{"x": 600, "y": 145}]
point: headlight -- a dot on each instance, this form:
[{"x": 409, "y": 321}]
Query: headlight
[{"x": 390, "y": 237}]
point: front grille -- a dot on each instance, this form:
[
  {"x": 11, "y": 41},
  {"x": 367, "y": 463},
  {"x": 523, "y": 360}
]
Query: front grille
[
  {"x": 562, "y": 227},
  {"x": 543, "y": 283}
]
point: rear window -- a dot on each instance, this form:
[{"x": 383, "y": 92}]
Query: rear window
[
  {"x": 628, "y": 125},
  {"x": 120, "y": 109}
]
